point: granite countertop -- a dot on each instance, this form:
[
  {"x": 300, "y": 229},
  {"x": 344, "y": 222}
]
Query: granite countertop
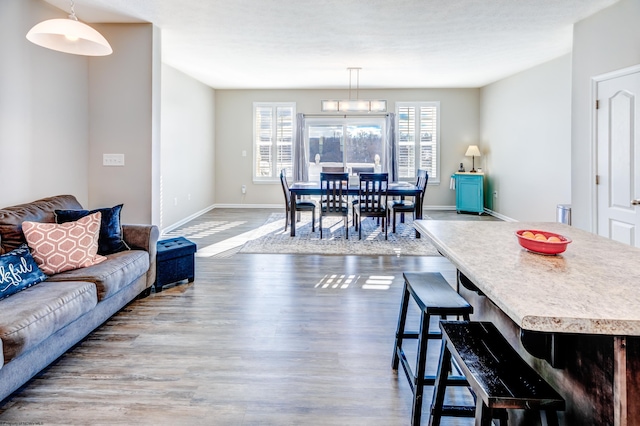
[{"x": 593, "y": 287}]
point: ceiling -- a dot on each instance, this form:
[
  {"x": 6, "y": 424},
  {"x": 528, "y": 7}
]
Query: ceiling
[{"x": 275, "y": 44}]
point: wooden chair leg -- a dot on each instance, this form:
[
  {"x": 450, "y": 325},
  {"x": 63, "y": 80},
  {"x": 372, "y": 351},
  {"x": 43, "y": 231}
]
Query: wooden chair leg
[
  {"x": 386, "y": 228},
  {"x": 346, "y": 226},
  {"x": 438, "y": 390},
  {"x": 549, "y": 417},
  {"x": 313, "y": 220},
  {"x": 402, "y": 319},
  {"x": 421, "y": 361},
  {"x": 394, "y": 222},
  {"x": 483, "y": 414},
  {"x": 286, "y": 220}
]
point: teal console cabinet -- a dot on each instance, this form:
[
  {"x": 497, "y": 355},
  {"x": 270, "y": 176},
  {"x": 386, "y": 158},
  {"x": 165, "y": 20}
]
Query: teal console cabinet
[{"x": 470, "y": 192}]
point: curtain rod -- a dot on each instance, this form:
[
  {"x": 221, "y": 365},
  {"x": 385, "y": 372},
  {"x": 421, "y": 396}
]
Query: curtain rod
[{"x": 374, "y": 114}]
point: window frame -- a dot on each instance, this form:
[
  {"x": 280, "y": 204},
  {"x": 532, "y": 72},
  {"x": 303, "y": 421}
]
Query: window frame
[
  {"x": 275, "y": 169},
  {"x": 345, "y": 121},
  {"x": 434, "y": 178}
]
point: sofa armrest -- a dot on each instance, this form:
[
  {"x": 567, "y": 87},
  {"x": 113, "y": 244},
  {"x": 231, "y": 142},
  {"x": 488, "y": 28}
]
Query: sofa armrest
[{"x": 143, "y": 237}]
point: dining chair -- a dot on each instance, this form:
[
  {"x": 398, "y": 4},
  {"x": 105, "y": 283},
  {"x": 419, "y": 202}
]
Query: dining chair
[
  {"x": 334, "y": 198},
  {"x": 300, "y": 205},
  {"x": 372, "y": 200},
  {"x": 403, "y": 206}
]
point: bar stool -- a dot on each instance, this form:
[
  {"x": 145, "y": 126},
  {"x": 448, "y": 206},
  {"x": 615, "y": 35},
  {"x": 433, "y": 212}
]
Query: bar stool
[
  {"x": 497, "y": 376},
  {"x": 434, "y": 296}
]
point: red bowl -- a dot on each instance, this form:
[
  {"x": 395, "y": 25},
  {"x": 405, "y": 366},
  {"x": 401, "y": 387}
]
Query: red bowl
[{"x": 540, "y": 246}]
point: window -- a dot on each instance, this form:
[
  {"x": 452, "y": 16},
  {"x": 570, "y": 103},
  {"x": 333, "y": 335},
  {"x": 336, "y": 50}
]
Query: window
[
  {"x": 274, "y": 126},
  {"x": 355, "y": 143},
  {"x": 418, "y": 139}
]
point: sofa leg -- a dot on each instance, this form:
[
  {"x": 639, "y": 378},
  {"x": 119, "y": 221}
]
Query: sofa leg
[{"x": 145, "y": 293}]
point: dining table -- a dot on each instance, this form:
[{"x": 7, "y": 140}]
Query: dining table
[
  {"x": 577, "y": 311},
  {"x": 395, "y": 189}
]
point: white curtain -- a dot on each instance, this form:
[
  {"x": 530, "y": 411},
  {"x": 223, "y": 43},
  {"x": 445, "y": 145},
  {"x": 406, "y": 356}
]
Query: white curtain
[
  {"x": 300, "y": 152},
  {"x": 392, "y": 149}
]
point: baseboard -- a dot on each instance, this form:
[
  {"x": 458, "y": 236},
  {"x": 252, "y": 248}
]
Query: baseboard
[
  {"x": 446, "y": 208},
  {"x": 499, "y": 216},
  {"x": 186, "y": 220},
  {"x": 250, "y": 206}
]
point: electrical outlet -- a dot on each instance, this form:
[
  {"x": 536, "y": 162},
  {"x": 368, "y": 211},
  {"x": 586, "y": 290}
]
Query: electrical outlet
[
  {"x": 495, "y": 194},
  {"x": 113, "y": 160},
  {"x": 244, "y": 189}
]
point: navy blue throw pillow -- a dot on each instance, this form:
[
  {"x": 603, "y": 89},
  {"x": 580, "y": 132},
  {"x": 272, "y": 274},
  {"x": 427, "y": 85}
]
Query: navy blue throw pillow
[
  {"x": 110, "y": 236},
  {"x": 18, "y": 270}
]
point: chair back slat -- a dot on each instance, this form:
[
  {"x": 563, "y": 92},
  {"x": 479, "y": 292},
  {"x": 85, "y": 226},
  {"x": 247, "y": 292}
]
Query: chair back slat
[
  {"x": 372, "y": 193},
  {"x": 423, "y": 178},
  {"x": 335, "y": 187},
  {"x": 285, "y": 186}
]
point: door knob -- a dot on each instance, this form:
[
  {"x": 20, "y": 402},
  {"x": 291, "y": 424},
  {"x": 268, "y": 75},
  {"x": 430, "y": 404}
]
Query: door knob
[{"x": 635, "y": 202}]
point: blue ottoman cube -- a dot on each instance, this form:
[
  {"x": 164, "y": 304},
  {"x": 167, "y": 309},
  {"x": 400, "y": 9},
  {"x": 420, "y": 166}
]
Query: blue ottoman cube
[{"x": 175, "y": 261}]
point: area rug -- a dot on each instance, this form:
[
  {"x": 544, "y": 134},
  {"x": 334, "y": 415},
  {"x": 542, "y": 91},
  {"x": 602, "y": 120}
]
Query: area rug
[{"x": 271, "y": 238}]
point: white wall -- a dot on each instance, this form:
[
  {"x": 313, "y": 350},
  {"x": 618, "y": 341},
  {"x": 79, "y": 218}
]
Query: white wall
[
  {"x": 526, "y": 141},
  {"x": 121, "y": 116},
  {"x": 459, "y": 127},
  {"x": 188, "y": 147},
  {"x": 60, "y": 112},
  {"x": 43, "y": 111},
  {"x": 604, "y": 42}
]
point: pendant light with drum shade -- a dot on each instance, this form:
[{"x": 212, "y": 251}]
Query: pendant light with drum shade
[{"x": 69, "y": 36}]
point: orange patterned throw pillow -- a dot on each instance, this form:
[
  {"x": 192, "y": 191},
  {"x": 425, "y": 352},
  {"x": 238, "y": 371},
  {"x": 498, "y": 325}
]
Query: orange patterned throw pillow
[{"x": 62, "y": 247}]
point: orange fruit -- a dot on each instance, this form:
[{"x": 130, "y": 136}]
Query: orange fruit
[
  {"x": 528, "y": 234},
  {"x": 540, "y": 237},
  {"x": 554, "y": 239}
]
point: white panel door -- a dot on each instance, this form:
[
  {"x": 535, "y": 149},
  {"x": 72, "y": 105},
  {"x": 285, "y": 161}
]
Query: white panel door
[{"x": 618, "y": 158}]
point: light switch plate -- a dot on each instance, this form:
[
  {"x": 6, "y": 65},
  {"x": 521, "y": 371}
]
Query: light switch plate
[{"x": 113, "y": 159}]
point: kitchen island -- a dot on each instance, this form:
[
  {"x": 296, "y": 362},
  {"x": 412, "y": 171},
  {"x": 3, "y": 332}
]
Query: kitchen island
[{"x": 578, "y": 311}]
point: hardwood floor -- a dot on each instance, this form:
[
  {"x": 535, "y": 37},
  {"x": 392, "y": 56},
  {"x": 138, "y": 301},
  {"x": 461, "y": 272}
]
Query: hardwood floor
[{"x": 255, "y": 340}]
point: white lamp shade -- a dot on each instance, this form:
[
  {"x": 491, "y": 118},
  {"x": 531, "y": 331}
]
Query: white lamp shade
[
  {"x": 473, "y": 151},
  {"x": 69, "y": 36}
]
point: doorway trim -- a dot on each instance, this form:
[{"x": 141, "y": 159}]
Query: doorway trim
[{"x": 594, "y": 135}]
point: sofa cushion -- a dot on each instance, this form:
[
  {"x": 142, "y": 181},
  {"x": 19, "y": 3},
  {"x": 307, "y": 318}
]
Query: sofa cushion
[
  {"x": 110, "y": 237},
  {"x": 18, "y": 271},
  {"x": 61, "y": 247},
  {"x": 11, "y": 218},
  {"x": 118, "y": 271},
  {"x": 29, "y": 317}
]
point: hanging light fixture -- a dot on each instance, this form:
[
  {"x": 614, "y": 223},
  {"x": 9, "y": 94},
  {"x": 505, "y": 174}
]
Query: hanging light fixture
[
  {"x": 354, "y": 104},
  {"x": 69, "y": 36}
]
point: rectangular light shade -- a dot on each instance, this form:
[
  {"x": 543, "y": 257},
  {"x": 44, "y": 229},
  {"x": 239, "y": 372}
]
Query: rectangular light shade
[
  {"x": 330, "y": 106},
  {"x": 354, "y": 105}
]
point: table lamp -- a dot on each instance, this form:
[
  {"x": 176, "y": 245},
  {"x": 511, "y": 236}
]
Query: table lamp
[{"x": 473, "y": 152}]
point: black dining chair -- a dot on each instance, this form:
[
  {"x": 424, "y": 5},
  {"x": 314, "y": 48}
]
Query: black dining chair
[
  {"x": 372, "y": 200},
  {"x": 333, "y": 201},
  {"x": 403, "y": 206},
  {"x": 300, "y": 205}
]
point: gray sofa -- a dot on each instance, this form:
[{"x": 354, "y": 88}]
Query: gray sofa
[{"x": 40, "y": 323}]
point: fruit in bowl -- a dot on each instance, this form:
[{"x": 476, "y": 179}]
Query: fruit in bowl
[{"x": 542, "y": 242}]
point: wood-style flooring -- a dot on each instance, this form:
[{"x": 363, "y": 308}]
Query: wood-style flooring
[{"x": 255, "y": 340}]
